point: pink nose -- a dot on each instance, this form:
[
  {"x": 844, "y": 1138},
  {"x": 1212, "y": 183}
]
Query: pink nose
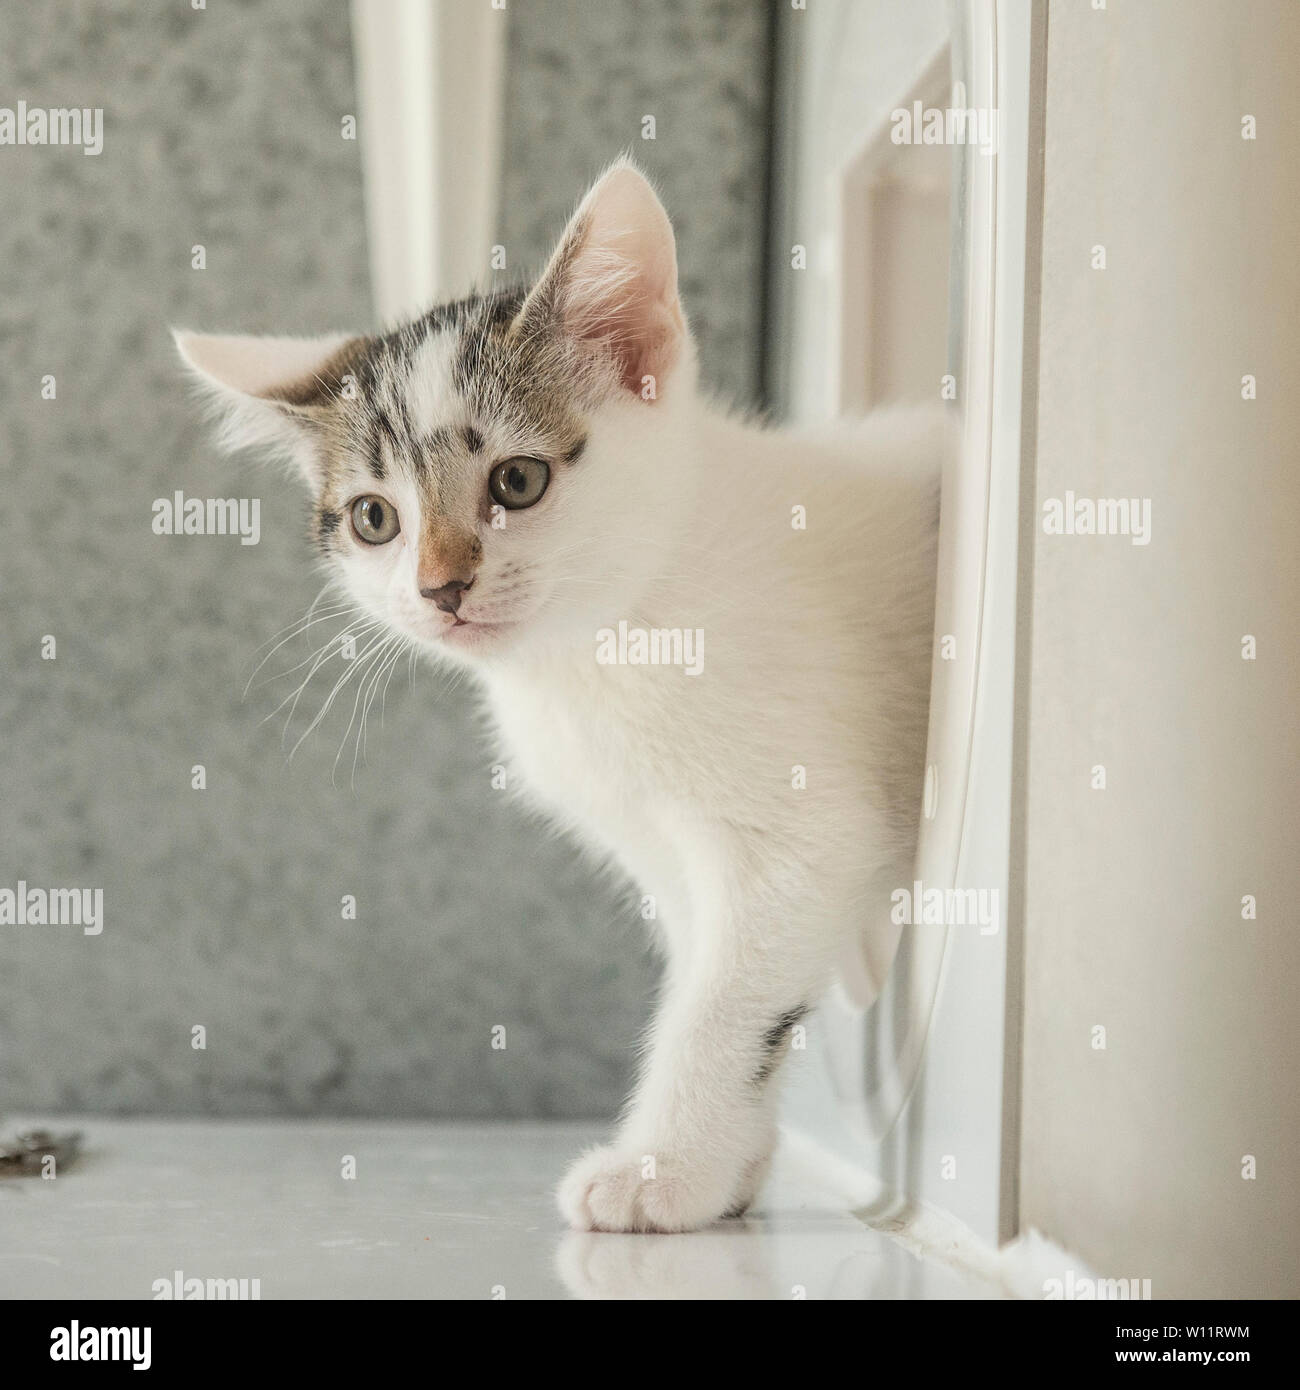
[{"x": 447, "y": 596}]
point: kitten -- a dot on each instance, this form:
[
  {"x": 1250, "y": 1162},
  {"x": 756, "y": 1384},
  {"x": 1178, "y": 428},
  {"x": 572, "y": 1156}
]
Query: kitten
[{"x": 532, "y": 486}]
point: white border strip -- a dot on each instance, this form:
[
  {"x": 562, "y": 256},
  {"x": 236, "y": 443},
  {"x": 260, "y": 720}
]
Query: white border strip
[{"x": 429, "y": 87}]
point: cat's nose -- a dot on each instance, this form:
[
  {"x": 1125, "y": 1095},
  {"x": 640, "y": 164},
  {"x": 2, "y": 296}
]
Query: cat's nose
[{"x": 447, "y": 596}]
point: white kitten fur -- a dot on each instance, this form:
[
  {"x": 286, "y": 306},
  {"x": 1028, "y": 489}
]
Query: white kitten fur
[{"x": 816, "y": 656}]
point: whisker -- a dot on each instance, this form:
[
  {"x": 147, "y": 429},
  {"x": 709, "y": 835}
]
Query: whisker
[
  {"x": 392, "y": 666},
  {"x": 348, "y": 629},
  {"x": 381, "y": 664},
  {"x": 298, "y": 631},
  {"x": 373, "y": 656},
  {"x": 355, "y": 666},
  {"x": 320, "y": 657}
]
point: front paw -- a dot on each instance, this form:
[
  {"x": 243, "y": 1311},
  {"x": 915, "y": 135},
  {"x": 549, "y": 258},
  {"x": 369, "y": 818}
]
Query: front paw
[{"x": 620, "y": 1188}]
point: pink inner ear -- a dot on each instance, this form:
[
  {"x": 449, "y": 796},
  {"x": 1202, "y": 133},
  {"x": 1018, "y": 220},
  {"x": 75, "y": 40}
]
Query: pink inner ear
[{"x": 622, "y": 280}]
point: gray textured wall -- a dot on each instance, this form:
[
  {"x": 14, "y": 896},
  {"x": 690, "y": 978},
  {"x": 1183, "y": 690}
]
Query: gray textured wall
[
  {"x": 582, "y": 76},
  {"x": 222, "y": 906}
]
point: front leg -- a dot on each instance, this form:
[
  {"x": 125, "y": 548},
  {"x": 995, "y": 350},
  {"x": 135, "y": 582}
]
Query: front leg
[{"x": 700, "y": 1129}]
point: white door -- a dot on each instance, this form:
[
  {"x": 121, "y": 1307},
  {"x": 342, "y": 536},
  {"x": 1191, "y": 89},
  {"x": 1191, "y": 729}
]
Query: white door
[{"x": 903, "y": 179}]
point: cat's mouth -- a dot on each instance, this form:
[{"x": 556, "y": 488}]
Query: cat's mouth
[{"x": 472, "y": 632}]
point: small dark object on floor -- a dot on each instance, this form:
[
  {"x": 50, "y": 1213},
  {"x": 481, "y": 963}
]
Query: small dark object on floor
[{"x": 25, "y": 1156}]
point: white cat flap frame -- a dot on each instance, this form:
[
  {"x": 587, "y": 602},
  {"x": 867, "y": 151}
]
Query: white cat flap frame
[{"x": 923, "y": 1073}]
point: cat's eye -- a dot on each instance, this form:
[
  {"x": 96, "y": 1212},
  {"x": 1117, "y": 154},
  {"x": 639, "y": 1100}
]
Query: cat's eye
[
  {"x": 374, "y": 521},
  {"x": 519, "y": 482}
]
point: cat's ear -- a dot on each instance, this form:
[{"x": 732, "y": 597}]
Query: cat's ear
[
  {"x": 611, "y": 286},
  {"x": 270, "y": 391}
]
